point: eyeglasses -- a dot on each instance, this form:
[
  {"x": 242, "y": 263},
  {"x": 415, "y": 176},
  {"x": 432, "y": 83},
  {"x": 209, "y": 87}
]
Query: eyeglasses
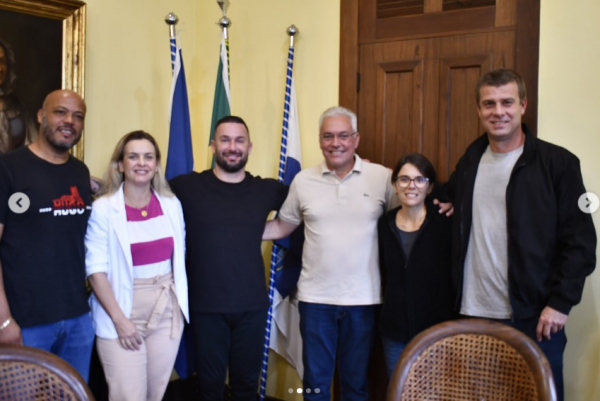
[
  {"x": 404, "y": 181},
  {"x": 343, "y": 137}
]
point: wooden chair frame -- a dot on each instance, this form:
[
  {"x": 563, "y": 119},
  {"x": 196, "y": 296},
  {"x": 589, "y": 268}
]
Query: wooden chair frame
[
  {"x": 46, "y": 363},
  {"x": 531, "y": 353}
]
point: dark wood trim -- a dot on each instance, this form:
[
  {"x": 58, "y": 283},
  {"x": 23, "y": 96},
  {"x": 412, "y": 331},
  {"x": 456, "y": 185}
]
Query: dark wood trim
[
  {"x": 349, "y": 54},
  {"x": 435, "y": 23},
  {"x": 368, "y": 12},
  {"x": 528, "y": 43},
  {"x": 433, "y": 6},
  {"x": 399, "y": 66},
  {"x": 427, "y": 35}
]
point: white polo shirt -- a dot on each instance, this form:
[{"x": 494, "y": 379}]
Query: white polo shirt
[{"x": 340, "y": 260}]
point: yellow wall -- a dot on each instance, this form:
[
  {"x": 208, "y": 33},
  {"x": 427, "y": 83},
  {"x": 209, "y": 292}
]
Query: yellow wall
[
  {"x": 128, "y": 73},
  {"x": 128, "y": 78},
  {"x": 128, "y": 85},
  {"x": 569, "y": 103}
]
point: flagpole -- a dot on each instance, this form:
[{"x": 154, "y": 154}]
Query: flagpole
[
  {"x": 291, "y": 31},
  {"x": 222, "y": 101},
  {"x": 180, "y": 160},
  {"x": 171, "y": 19},
  {"x": 224, "y": 24}
]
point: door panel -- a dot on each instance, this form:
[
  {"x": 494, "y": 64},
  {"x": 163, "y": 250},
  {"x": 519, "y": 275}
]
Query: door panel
[
  {"x": 459, "y": 123},
  {"x": 418, "y": 95},
  {"x": 458, "y": 120},
  {"x": 390, "y": 106},
  {"x": 401, "y": 83}
]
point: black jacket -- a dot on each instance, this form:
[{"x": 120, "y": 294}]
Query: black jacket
[
  {"x": 417, "y": 291},
  {"x": 551, "y": 242}
]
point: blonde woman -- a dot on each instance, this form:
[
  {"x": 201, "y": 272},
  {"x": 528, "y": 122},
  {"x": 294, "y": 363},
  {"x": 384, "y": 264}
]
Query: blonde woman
[{"x": 135, "y": 265}]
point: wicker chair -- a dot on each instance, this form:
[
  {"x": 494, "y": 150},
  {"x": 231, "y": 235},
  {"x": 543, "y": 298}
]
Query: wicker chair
[
  {"x": 472, "y": 359},
  {"x": 31, "y": 374}
]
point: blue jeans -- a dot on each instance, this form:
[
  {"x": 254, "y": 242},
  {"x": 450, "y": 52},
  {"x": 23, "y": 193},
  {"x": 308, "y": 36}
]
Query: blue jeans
[
  {"x": 347, "y": 331},
  {"x": 392, "y": 350},
  {"x": 553, "y": 348},
  {"x": 70, "y": 339}
]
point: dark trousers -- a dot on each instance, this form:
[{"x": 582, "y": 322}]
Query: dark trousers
[
  {"x": 328, "y": 331},
  {"x": 553, "y": 349},
  {"x": 229, "y": 340}
]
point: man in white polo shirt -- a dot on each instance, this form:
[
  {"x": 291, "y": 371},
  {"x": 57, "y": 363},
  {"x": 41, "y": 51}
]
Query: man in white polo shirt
[{"x": 339, "y": 289}]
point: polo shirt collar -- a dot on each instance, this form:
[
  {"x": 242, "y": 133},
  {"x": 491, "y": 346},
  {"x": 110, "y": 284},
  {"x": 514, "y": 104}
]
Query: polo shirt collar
[{"x": 358, "y": 165}]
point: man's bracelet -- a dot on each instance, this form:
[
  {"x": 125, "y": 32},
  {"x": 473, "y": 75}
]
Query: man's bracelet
[{"x": 6, "y": 323}]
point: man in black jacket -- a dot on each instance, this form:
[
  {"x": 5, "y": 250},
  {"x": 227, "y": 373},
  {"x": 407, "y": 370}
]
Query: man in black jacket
[{"x": 523, "y": 248}]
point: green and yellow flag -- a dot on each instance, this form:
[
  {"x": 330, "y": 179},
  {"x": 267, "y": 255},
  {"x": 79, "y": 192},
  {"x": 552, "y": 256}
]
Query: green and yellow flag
[{"x": 222, "y": 100}]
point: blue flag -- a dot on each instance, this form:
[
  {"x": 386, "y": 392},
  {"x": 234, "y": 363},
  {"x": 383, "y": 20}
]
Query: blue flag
[
  {"x": 180, "y": 158},
  {"x": 286, "y": 261}
]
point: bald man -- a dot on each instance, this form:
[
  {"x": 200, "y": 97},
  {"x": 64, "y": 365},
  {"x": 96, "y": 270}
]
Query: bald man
[{"x": 45, "y": 202}]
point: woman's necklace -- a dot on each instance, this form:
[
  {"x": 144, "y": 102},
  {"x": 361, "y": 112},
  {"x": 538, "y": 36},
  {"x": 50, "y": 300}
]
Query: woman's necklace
[
  {"x": 406, "y": 224},
  {"x": 143, "y": 209}
]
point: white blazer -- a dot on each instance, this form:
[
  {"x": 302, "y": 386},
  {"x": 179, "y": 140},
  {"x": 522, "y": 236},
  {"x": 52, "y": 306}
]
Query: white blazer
[{"x": 108, "y": 250}]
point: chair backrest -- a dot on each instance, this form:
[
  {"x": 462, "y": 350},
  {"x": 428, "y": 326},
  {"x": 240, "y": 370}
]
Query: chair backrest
[
  {"x": 31, "y": 374},
  {"x": 472, "y": 359}
]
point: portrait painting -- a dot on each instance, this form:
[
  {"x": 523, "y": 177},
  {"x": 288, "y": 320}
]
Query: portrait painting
[{"x": 42, "y": 48}]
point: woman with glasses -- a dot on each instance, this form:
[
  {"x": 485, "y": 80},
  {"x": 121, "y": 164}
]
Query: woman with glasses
[
  {"x": 414, "y": 249},
  {"x": 135, "y": 262}
]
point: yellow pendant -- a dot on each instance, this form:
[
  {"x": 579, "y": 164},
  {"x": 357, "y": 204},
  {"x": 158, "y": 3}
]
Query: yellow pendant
[{"x": 144, "y": 213}]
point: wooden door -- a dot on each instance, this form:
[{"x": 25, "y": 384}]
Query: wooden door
[{"x": 409, "y": 69}]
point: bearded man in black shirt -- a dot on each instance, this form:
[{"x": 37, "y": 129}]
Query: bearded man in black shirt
[{"x": 225, "y": 211}]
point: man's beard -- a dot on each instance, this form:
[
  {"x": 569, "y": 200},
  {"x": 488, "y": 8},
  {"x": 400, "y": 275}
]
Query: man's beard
[
  {"x": 230, "y": 168},
  {"x": 48, "y": 133}
]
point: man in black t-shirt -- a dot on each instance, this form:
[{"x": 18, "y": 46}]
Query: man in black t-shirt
[
  {"x": 45, "y": 202},
  {"x": 225, "y": 211}
]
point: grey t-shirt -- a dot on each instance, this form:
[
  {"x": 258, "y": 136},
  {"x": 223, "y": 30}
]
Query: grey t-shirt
[
  {"x": 408, "y": 239},
  {"x": 485, "y": 286}
]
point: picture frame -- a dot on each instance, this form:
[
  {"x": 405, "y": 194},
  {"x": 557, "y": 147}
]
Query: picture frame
[{"x": 59, "y": 34}]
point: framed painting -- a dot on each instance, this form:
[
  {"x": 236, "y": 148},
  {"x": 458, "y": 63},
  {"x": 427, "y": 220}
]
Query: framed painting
[{"x": 43, "y": 42}]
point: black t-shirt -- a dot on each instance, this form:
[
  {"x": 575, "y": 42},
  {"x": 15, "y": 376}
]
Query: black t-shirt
[
  {"x": 42, "y": 250},
  {"x": 224, "y": 225}
]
